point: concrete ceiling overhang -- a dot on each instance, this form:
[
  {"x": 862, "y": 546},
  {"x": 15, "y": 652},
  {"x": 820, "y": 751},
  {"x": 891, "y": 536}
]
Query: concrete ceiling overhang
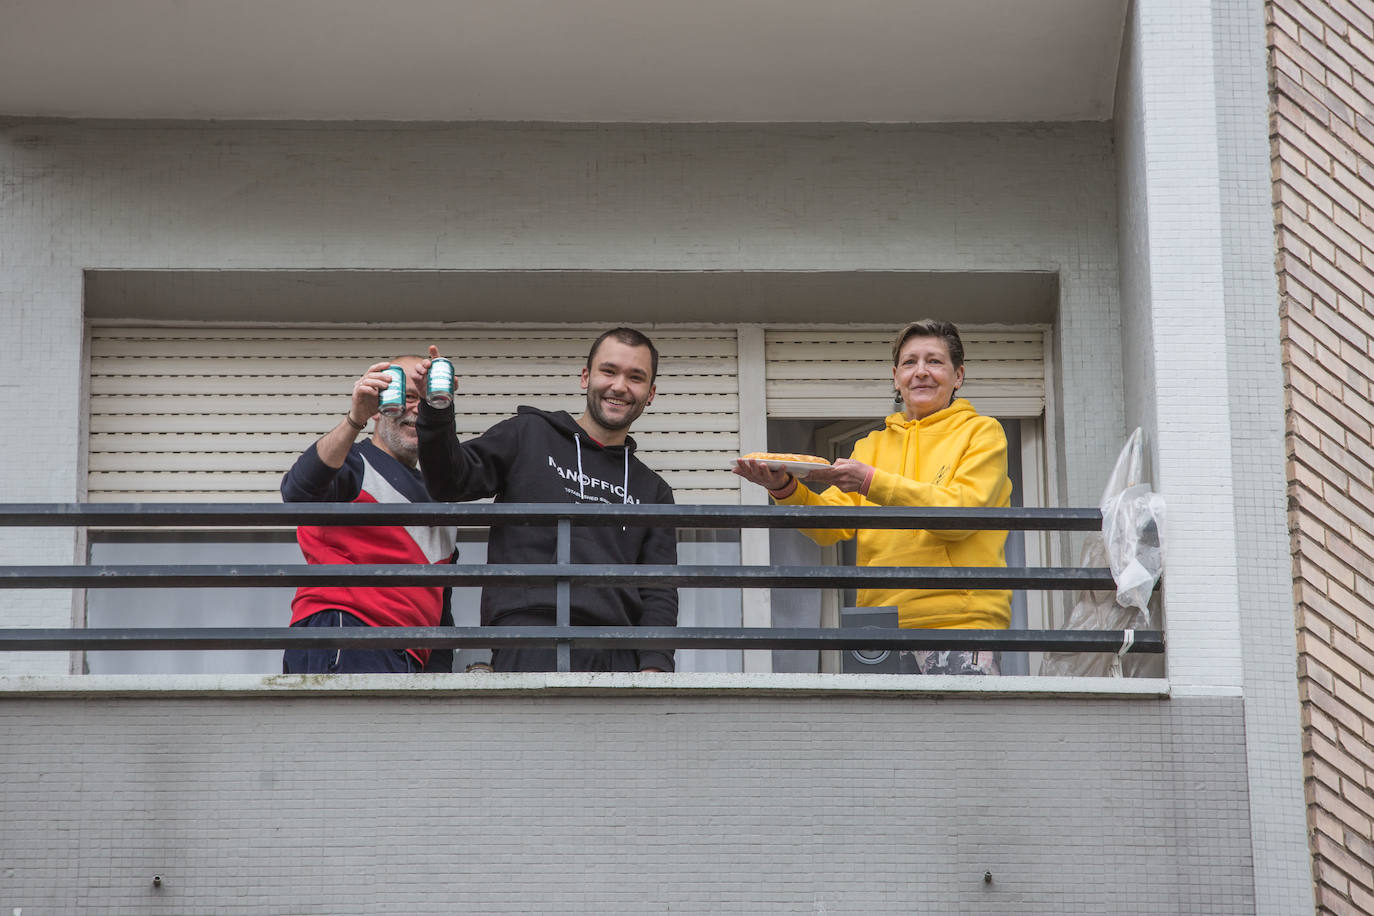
[
  {"x": 607, "y": 296},
  {"x": 906, "y": 61}
]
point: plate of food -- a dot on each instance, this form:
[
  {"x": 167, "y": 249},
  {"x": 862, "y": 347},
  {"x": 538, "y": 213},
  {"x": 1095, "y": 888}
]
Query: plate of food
[{"x": 794, "y": 464}]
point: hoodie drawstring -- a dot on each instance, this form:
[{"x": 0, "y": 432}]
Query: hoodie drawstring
[
  {"x": 624, "y": 487},
  {"x": 581, "y": 493}
]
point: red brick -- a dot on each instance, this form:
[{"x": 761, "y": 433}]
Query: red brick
[
  {"x": 1359, "y": 656},
  {"x": 1333, "y": 889},
  {"x": 1310, "y": 624},
  {"x": 1361, "y": 236},
  {"x": 1363, "y": 452},
  {"x": 1305, "y": 569},
  {"x": 1343, "y": 414},
  {"x": 1356, "y": 560},
  {"x": 1361, "y": 41},
  {"x": 1294, "y": 334},
  {"x": 1318, "y": 600},
  {"x": 1309, "y": 26},
  {"x": 1335, "y": 852},
  {"x": 1344, "y": 102},
  {"x": 1320, "y": 108},
  {"x": 1334, "y": 663},
  {"x": 1353, "y": 743},
  {"x": 1336, "y": 24},
  {"x": 1357, "y": 18},
  {"x": 1323, "y": 422},
  {"x": 1291, "y": 58},
  {"x": 1357, "y": 609},
  {"x": 1348, "y": 813},
  {"x": 1362, "y": 539},
  {"x": 1278, "y": 18},
  {"x": 1313, "y": 322},
  {"x": 1357, "y": 700},
  {"x": 1353, "y": 49},
  {"x": 1314, "y": 282},
  {"x": 1318, "y": 197},
  {"x": 1362, "y": 901},
  {"x": 1345, "y": 133},
  {"x": 1311, "y": 669},
  {"x": 1311, "y": 470},
  {"x": 1317, "y": 720},
  {"x": 1330, "y": 705},
  {"x": 1356, "y": 314}
]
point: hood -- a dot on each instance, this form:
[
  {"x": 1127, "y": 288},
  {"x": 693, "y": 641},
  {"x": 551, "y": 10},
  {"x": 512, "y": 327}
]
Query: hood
[
  {"x": 898, "y": 421},
  {"x": 563, "y": 421}
]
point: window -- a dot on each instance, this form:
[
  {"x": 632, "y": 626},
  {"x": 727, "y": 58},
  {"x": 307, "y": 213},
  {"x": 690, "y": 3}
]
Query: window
[{"x": 214, "y": 413}]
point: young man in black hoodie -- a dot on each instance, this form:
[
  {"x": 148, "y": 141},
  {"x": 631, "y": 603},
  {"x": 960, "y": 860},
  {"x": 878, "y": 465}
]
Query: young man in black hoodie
[{"x": 542, "y": 456}]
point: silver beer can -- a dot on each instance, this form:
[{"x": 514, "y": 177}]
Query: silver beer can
[
  {"x": 394, "y": 397},
  {"x": 439, "y": 383}
]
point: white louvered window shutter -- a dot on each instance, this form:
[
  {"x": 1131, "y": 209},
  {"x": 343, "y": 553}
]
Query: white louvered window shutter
[
  {"x": 839, "y": 373},
  {"x": 218, "y": 414}
]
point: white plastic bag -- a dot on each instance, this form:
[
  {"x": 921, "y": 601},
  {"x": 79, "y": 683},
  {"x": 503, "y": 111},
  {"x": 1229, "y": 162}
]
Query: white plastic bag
[{"x": 1131, "y": 545}]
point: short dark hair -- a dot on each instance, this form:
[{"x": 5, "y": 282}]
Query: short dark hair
[
  {"x": 931, "y": 327},
  {"x": 630, "y": 338}
]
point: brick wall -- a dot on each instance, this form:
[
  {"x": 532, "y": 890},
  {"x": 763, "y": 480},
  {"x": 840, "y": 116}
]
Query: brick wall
[{"x": 1322, "y": 138}]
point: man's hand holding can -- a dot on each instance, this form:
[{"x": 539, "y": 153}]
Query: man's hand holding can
[{"x": 439, "y": 380}]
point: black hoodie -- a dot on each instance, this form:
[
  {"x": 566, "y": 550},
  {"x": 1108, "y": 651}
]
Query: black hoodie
[{"x": 545, "y": 457}]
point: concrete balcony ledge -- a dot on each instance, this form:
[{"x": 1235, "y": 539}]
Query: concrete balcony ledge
[{"x": 578, "y": 684}]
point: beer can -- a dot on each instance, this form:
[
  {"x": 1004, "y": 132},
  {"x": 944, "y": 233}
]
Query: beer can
[
  {"x": 394, "y": 397},
  {"x": 439, "y": 383}
]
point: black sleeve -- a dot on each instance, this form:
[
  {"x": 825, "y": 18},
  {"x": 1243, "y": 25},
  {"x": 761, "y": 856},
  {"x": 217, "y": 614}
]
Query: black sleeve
[
  {"x": 310, "y": 480},
  {"x": 659, "y": 605},
  {"x": 460, "y": 471}
]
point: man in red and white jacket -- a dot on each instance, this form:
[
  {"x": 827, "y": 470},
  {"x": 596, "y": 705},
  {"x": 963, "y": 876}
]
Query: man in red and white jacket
[{"x": 379, "y": 470}]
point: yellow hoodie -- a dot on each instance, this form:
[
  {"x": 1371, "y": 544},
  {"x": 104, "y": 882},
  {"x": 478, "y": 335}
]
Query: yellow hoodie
[{"x": 953, "y": 457}]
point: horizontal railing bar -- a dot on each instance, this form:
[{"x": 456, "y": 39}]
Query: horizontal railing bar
[
  {"x": 151, "y": 515},
  {"x": 48, "y": 640},
  {"x": 547, "y": 574}
]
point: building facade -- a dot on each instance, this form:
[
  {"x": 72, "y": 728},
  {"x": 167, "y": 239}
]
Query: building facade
[
  {"x": 163, "y": 271},
  {"x": 1322, "y": 134}
]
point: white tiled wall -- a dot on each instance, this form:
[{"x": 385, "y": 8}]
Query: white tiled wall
[{"x": 1197, "y": 272}]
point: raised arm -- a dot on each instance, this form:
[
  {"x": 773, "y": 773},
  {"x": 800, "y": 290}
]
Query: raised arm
[
  {"x": 318, "y": 474},
  {"x": 456, "y": 471}
]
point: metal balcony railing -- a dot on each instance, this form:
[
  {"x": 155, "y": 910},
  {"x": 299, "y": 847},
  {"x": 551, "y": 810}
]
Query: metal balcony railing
[{"x": 561, "y": 574}]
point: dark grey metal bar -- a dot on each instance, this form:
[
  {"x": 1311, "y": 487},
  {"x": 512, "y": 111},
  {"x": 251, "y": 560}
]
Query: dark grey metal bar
[
  {"x": 48, "y": 640},
  {"x": 550, "y": 574},
  {"x": 151, "y": 515},
  {"x": 563, "y": 599}
]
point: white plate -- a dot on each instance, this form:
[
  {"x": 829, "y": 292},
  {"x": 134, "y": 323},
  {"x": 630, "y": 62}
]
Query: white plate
[{"x": 795, "y": 468}]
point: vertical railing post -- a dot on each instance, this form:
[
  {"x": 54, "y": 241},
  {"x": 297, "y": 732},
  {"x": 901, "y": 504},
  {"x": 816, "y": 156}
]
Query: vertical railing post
[{"x": 563, "y": 607}]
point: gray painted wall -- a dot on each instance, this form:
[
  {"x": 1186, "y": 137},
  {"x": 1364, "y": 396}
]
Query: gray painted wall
[{"x": 624, "y": 803}]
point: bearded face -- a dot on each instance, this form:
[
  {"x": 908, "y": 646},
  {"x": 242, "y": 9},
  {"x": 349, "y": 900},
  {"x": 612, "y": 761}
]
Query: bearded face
[
  {"x": 399, "y": 437},
  {"x": 619, "y": 384}
]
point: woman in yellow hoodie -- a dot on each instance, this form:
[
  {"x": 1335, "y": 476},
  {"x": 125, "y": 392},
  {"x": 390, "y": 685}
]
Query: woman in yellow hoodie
[{"x": 938, "y": 451}]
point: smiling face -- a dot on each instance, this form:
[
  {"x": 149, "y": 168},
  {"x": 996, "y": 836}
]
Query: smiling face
[
  {"x": 396, "y": 435},
  {"x": 619, "y": 385},
  {"x": 925, "y": 376}
]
